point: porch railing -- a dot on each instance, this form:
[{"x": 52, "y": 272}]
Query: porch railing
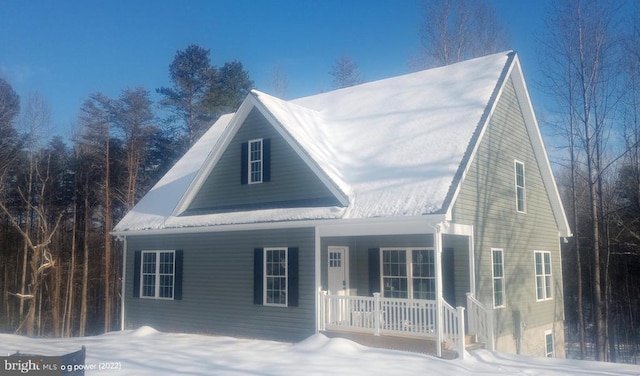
[
  {"x": 380, "y": 315},
  {"x": 394, "y": 316},
  {"x": 453, "y": 330},
  {"x": 480, "y": 321}
]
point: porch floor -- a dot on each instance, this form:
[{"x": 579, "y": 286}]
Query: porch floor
[{"x": 416, "y": 345}]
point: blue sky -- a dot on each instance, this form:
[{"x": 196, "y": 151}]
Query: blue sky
[{"x": 66, "y": 50}]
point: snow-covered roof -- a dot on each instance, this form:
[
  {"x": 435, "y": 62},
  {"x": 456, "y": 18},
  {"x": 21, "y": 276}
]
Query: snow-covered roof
[{"x": 388, "y": 148}]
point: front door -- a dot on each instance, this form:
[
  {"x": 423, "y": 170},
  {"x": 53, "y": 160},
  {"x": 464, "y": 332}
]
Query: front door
[{"x": 338, "y": 266}]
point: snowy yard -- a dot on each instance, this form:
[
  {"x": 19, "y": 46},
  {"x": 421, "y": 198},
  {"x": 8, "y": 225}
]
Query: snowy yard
[{"x": 148, "y": 352}]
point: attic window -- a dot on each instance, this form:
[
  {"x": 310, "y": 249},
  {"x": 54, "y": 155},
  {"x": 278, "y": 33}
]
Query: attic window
[
  {"x": 256, "y": 161},
  {"x": 521, "y": 205}
]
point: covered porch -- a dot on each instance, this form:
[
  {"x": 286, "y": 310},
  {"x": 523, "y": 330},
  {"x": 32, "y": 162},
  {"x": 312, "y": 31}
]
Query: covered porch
[{"x": 411, "y": 278}]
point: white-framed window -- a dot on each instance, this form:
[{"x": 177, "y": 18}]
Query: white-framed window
[
  {"x": 408, "y": 273},
  {"x": 255, "y": 161},
  {"x": 335, "y": 259},
  {"x": 543, "y": 275},
  {"x": 548, "y": 344},
  {"x": 521, "y": 204},
  {"x": 275, "y": 276},
  {"x": 157, "y": 274},
  {"x": 497, "y": 261}
]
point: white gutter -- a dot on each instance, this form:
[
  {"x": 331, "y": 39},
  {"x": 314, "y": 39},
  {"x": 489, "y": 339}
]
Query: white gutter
[{"x": 327, "y": 227}]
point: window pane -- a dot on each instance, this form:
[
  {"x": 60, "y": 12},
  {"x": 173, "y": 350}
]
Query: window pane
[
  {"x": 149, "y": 285},
  {"x": 549, "y": 344},
  {"x": 538, "y": 263},
  {"x": 547, "y": 280},
  {"x": 547, "y": 263},
  {"x": 424, "y": 289},
  {"x": 395, "y": 288},
  {"x": 498, "y": 295},
  {"x": 166, "y": 286},
  {"x": 276, "y": 276},
  {"x": 539, "y": 287},
  {"x": 149, "y": 262}
]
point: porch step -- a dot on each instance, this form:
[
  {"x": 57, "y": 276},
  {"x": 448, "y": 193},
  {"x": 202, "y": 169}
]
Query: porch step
[
  {"x": 471, "y": 343},
  {"x": 409, "y": 344}
]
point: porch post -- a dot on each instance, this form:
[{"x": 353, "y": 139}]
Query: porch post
[
  {"x": 472, "y": 266},
  {"x": 437, "y": 239}
]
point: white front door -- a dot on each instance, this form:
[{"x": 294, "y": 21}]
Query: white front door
[{"x": 338, "y": 262}]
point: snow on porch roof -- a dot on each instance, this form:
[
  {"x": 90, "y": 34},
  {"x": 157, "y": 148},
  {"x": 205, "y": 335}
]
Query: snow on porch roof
[{"x": 393, "y": 146}]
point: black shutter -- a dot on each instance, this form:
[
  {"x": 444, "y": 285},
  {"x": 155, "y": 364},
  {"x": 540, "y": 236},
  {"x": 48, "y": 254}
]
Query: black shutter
[
  {"x": 292, "y": 273},
  {"x": 374, "y": 270},
  {"x": 137, "y": 261},
  {"x": 258, "y": 276},
  {"x": 244, "y": 163},
  {"x": 177, "y": 282},
  {"x": 266, "y": 160}
]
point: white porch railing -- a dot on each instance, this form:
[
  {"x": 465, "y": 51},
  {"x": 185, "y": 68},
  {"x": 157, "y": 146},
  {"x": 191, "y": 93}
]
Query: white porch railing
[
  {"x": 404, "y": 317},
  {"x": 453, "y": 327},
  {"x": 480, "y": 321}
]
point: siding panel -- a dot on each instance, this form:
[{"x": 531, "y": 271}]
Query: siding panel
[
  {"x": 487, "y": 199},
  {"x": 218, "y": 286},
  {"x": 291, "y": 180}
]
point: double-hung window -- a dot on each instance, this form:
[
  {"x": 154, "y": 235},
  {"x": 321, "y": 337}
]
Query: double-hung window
[
  {"x": 521, "y": 204},
  {"x": 543, "y": 275},
  {"x": 408, "y": 273},
  {"x": 158, "y": 274},
  {"x": 548, "y": 344},
  {"x": 275, "y": 276},
  {"x": 497, "y": 261},
  {"x": 255, "y": 161}
]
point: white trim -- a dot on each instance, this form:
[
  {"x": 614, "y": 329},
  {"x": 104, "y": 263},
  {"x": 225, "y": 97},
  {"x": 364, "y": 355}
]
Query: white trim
[
  {"x": 493, "y": 278},
  {"x": 472, "y": 265},
  {"x": 327, "y": 227},
  {"x": 318, "y": 271},
  {"x": 333, "y": 187},
  {"x": 408, "y": 251},
  {"x": 379, "y": 226},
  {"x": 156, "y": 295},
  {"x": 259, "y": 141},
  {"x": 517, "y": 162},
  {"x": 544, "y": 275},
  {"x": 123, "y": 279},
  {"x": 217, "y": 150},
  {"x": 539, "y": 149},
  {"x": 483, "y": 129},
  {"x": 514, "y": 71},
  {"x": 264, "y": 276}
]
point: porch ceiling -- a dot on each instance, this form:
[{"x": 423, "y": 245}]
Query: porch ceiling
[{"x": 425, "y": 224}]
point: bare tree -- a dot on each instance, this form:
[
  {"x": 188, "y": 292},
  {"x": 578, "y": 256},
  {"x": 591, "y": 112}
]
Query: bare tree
[
  {"x": 39, "y": 225},
  {"x": 345, "y": 72},
  {"x": 457, "y": 30},
  {"x": 581, "y": 67},
  {"x": 133, "y": 117},
  {"x": 279, "y": 82},
  {"x": 96, "y": 117}
]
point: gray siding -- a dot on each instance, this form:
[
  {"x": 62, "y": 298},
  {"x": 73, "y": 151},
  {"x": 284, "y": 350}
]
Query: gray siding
[
  {"x": 218, "y": 286},
  {"x": 291, "y": 179},
  {"x": 487, "y": 201}
]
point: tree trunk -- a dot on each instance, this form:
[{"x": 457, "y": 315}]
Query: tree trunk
[
  {"x": 85, "y": 263},
  {"x": 107, "y": 242}
]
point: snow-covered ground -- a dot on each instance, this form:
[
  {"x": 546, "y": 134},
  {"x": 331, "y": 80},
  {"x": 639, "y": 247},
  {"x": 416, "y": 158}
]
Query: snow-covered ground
[{"x": 146, "y": 351}]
